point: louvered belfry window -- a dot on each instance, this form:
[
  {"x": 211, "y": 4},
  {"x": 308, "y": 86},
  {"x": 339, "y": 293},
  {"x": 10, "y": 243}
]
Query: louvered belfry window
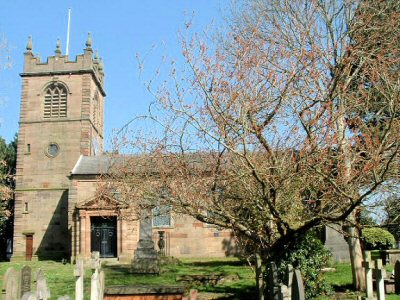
[{"x": 55, "y": 101}]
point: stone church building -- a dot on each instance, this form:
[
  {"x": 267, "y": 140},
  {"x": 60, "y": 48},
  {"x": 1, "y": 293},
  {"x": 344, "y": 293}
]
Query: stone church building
[
  {"x": 59, "y": 160},
  {"x": 60, "y": 144}
]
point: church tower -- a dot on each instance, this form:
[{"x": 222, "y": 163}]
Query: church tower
[{"x": 61, "y": 119}]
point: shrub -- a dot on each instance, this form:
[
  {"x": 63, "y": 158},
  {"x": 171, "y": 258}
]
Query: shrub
[
  {"x": 375, "y": 238},
  {"x": 309, "y": 256}
]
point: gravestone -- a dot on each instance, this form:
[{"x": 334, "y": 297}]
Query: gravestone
[
  {"x": 272, "y": 282},
  {"x": 380, "y": 277},
  {"x": 297, "y": 286},
  {"x": 26, "y": 279},
  {"x": 95, "y": 260},
  {"x": 283, "y": 292},
  {"x": 101, "y": 284},
  {"x": 288, "y": 280},
  {"x": 94, "y": 285},
  {"x": 29, "y": 296},
  {"x": 397, "y": 277},
  {"x": 42, "y": 291},
  {"x": 368, "y": 266},
  {"x": 65, "y": 297},
  {"x": 146, "y": 259},
  {"x": 79, "y": 274},
  {"x": 11, "y": 285}
]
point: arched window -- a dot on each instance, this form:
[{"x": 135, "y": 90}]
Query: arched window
[{"x": 55, "y": 101}]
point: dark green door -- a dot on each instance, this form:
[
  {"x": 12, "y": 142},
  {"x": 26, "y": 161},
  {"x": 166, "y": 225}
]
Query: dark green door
[{"x": 104, "y": 236}]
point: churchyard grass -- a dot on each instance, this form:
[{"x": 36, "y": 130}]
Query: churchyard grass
[
  {"x": 341, "y": 282},
  {"x": 61, "y": 281},
  {"x": 240, "y": 277}
]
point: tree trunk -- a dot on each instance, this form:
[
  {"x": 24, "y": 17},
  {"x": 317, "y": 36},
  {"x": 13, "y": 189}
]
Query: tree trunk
[
  {"x": 356, "y": 258},
  {"x": 259, "y": 278}
]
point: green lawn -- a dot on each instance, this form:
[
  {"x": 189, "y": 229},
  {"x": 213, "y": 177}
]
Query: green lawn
[
  {"x": 62, "y": 282},
  {"x": 341, "y": 282}
]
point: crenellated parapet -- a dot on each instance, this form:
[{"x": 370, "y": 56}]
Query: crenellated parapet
[{"x": 60, "y": 64}]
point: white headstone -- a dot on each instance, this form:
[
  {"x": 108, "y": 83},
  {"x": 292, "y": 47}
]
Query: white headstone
[
  {"x": 95, "y": 286},
  {"x": 95, "y": 260},
  {"x": 380, "y": 274},
  {"x": 368, "y": 265},
  {"x": 29, "y": 296},
  {"x": 11, "y": 284},
  {"x": 79, "y": 273},
  {"x": 42, "y": 290}
]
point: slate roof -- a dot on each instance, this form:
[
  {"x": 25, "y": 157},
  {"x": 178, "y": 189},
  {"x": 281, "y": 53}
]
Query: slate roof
[{"x": 93, "y": 165}]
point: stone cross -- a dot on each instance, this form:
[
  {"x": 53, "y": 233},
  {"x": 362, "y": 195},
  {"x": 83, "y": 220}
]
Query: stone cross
[
  {"x": 368, "y": 266},
  {"x": 297, "y": 286},
  {"x": 10, "y": 289},
  {"x": 380, "y": 277},
  {"x": 397, "y": 277},
  {"x": 79, "y": 273},
  {"x": 95, "y": 260},
  {"x": 42, "y": 290},
  {"x": 26, "y": 279}
]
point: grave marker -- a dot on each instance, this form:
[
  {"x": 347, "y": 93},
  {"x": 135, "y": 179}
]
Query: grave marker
[
  {"x": 380, "y": 277},
  {"x": 11, "y": 285},
  {"x": 289, "y": 279},
  {"x": 297, "y": 286},
  {"x": 79, "y": 273},
  {"x": 95, "y": 260},
  {"x": 29, "y": 296},
  {"x": 42, "y": 290},
  {"x": 397, "y": 277},
  {"x": 26, "y": 279},
  {"x": 368, "y": 266},
  {"x": 283, "y": 292}
]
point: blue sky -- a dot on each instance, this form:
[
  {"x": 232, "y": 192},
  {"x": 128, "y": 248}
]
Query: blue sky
[{"x": 120, "y": 29}]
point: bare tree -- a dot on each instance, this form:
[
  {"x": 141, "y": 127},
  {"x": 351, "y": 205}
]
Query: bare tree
[{"x": 266, "y": 130}]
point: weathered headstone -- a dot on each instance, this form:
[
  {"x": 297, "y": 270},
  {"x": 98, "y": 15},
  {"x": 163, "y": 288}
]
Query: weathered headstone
[
  {"x": 26, "y": 279},
  {"x": 289, "y": 279},
  {"x": 397, "y": 277},
  {"x": 42, "y": 291},
  {"x": 297, "y": 286},
  {"x": 101, "y": 284},
  {"x": 283, "y": 292},
  {"x": 79, "y": 273},
  {"x": 11, "y": 285},
  {"x": 380, "y": 277},
  {"x": 146, "y": 259},
  {"x": 368, "y": 266},
  {"x": 65, "y": 297},
  {"x": 272, "y": 282},
  {"x": 95, "y": 286},
  {"x": 29, "y": 296},
  {"x": 95, "y": 260}
]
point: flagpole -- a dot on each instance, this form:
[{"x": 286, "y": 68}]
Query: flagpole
[{"x": 68, "y": 29}]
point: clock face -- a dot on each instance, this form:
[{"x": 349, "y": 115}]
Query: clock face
[{"x": 53, "y": 149}]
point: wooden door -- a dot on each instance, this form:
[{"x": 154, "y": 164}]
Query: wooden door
[{"x": 29, "y": 247}]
